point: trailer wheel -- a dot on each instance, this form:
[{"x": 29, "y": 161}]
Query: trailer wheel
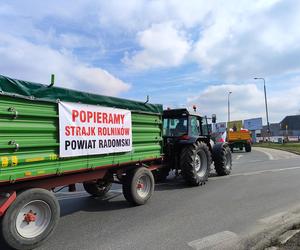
[
  {"x": 98, "y": 188},
  {"x": 31, "y": 219},
  {"x": 195, "y": 163},
  {"x": 222, "y": 158},
  {"x": 138, "y": 186},
  {"x": 248, "y": 147}
]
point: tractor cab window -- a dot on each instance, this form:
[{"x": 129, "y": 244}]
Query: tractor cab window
[
  {"x": 175, "y": 126},
  {"x": 204, "y": 126},
  {"x": 194, "y": 127}
]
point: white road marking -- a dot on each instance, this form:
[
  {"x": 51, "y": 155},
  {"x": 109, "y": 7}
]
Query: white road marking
[
  {"x": 255, "y": 173},
  {"x": 274, "y": 154},
  {"x": 271, "y": 158},
  {"x": 221, "y": 240},
  {"x": 238, "y": 157}
]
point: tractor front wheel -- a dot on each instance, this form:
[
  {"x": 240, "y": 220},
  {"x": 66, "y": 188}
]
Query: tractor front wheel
[{"x": 222, "y": 158}]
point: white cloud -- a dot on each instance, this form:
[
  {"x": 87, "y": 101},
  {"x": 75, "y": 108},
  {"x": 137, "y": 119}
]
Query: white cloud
[
  {"x": 247, "y": 38},
  {"x": 246, "y": 101},
  {"x": 28, "y": 61},
  {"x": 163, "y": 46}
]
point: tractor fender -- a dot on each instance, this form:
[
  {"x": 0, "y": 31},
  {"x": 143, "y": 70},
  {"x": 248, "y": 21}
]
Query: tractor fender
[{"x": 191, "y": 140}]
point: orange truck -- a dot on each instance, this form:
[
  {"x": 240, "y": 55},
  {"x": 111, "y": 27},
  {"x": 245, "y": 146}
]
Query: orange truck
[{"x": 239, "y": 139}]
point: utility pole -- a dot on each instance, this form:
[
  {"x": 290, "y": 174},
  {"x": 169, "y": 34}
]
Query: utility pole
[
  {"x": 229, "y": 93},
  {"x": 266, "y": 104}
]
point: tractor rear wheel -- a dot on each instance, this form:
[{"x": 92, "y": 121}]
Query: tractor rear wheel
[
  {"x": 195, "y": 161},
  {"x": 222, "y": 158}
]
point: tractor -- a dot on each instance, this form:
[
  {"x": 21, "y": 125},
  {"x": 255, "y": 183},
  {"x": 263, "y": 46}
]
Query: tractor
[{"x": 188, "y": 147}]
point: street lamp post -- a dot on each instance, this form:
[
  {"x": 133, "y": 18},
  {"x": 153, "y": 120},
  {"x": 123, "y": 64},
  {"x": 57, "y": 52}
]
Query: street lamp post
[
  {"x": 229, "y": 105},
  {"x": 266, "y": 104}
]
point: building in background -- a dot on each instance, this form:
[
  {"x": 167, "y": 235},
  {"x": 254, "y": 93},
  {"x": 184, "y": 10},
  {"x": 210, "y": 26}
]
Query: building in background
[
  {"x": 290, "y": 125},
  {"x": 288, "y": 129},
  {"x": 255, "y": 126},
  {"x": 275, "y": 130}
]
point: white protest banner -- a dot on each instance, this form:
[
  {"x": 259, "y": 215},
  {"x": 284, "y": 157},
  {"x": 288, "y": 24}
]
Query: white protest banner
[{"x": 91, "y": 130}]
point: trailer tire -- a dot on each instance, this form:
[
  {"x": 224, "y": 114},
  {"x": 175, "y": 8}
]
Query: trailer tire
[
  {"x": 248, "y": 147},
  {"x": 138, "y": 185},
  {"x": 195, "y": 161},
  {"x": 222, "y": 159},
  {"x": 98, "y": 188},
  {"x": 31, "y": 219}
]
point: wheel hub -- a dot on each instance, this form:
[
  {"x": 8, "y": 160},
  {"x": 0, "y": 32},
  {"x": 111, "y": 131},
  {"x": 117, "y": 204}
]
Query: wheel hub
[
  {"x": 143, "y": 186},
  {"x": 197, "y": 163},
  {"x": 33, "y": 219},
  {"x": 30, "y": 217}
]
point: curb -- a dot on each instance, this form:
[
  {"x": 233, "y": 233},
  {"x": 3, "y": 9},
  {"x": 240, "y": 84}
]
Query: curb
[{"x": 266, "y": 233}]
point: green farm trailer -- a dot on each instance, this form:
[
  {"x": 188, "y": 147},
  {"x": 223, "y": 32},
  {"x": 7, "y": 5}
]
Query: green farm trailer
[{"x": 52, "y": 137}]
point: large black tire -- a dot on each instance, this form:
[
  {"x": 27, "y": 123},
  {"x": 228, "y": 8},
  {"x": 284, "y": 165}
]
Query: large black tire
[
  {"x": 98, "y": 188},
  {"x": 248, "y": 147},
  {"x": 23, "y": 235},
  {"x": 138, "y": 186},
  {"x": 195, "y": 161},
  {"x": 222, "y": 158}
]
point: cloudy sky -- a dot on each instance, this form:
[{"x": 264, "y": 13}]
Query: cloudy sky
[{"x": 178, "y": 52}]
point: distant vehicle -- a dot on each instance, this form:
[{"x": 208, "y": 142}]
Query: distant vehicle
[{"x": 239, "y": 139}]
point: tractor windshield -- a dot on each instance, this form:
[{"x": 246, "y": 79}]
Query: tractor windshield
[{"x": 175, "y": 126}]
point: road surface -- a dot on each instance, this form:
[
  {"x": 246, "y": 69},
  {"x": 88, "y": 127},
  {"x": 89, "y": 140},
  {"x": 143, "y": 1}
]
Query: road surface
[{"x": 263, "y": 182}]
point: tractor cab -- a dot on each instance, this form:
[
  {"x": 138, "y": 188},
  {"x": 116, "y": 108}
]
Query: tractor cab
[{"x": 181, "y": 124}]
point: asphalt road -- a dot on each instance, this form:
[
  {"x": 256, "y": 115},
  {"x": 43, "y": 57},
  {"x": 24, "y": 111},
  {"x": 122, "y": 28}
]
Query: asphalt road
[{"x": 263, "y": 182}]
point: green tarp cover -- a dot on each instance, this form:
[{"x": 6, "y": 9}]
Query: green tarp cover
[{"x": 43, "y": 92}]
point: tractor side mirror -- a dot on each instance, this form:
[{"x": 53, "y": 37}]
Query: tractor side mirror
[{"x": 213, "y": 118}]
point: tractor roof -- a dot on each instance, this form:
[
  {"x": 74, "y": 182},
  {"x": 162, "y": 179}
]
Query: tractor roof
[{"x": 178, "y": 112}]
